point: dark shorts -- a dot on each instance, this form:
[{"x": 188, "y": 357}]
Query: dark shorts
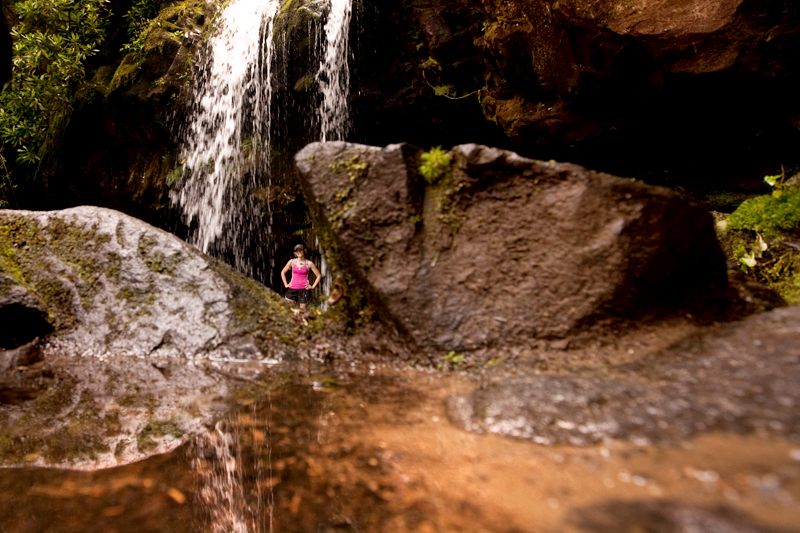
[{"x": 301, "y": 296}]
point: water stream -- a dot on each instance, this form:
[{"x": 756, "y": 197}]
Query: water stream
[
  {"x": 367, "y": 447},
  {"x": 227, "y": 139},
  {"x": 227, "y": 157},
  {"x": 334, "y": 74}
]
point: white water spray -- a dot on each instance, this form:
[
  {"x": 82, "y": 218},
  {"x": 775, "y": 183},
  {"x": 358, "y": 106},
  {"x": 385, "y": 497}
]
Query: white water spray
[
  {"x": 226, "y": 142},
  {"x": 227, "y": 138},
  {"x": 334, "y": 74},
  {"x": 218, "y": 464}
]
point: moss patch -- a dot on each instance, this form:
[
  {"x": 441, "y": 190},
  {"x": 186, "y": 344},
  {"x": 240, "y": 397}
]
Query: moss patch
[
  {"x": 773, "y": 260},
  {"x": 769, "y": 215},
  {"x": 157, "y": 429}
]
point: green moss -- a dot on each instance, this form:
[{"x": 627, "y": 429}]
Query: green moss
[
  {"x": 443, "y": 191},
  {"x": 113, "y": 268},
  {"x": 126, "y": 71},
  {"x": 23, "y": 248},
  {"x": 158, "y": 37},
  {"x": 768, "y": 259},
  {"x": 157, "y": 261},
  {"x": 769, "y": 215},
  {"x": 355, "y": 167},
  {"x": 157, "y": 429}
]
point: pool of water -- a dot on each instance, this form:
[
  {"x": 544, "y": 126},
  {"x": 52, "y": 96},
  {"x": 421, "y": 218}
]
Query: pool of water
[{"x": 370, "y": 449}]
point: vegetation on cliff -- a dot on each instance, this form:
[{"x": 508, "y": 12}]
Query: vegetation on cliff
[{"x": 52, "y": 41}]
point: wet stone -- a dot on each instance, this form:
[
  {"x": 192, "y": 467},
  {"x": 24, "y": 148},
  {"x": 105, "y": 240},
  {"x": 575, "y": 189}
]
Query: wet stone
[
  {"x": 663, "y": 517},
  {"x": 740, "y": 377}
]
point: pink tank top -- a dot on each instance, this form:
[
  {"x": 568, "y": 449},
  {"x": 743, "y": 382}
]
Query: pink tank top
[{"x": 299, "y": 275}]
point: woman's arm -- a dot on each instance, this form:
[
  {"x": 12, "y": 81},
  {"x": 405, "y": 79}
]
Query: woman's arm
[
  {"x": 284, "y": 271},
  {"x": 316, "y": 273}
]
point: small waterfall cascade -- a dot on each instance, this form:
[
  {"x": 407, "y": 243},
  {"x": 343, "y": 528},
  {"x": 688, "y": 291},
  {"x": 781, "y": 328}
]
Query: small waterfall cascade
[
  {"x": 227, "y": 138},
  {"x": 334, "y": 75},
  {"x": 227, "y": 142}
]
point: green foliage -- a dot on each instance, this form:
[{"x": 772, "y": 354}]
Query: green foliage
[
  {"x": 431, "y": 63},
  {"x": 138, "y": 18},
  {"x": 445, "y": 90},
  {"x": 454, "y": 360},
  {"x": 774, "y": 181},
  {"x": 6, "y": 186},
  {"x": 354, "y": 167},
  {"x": 769, "y": 214},
  {"x": 435, "y": 164},
  {"x": 51, "y": 43},
  {"x": 174, "y": 175}
]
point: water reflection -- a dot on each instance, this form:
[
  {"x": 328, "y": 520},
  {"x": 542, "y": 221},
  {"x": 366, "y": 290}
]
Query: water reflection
[
  {"x": 255, "y": 470},
  {"x": 351, "y": 452}
]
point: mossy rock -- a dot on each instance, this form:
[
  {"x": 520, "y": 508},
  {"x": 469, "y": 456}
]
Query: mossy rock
[{"x": 109, "y": 284}]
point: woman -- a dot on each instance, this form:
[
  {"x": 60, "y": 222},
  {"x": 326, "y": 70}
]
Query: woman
[{"x": 300, "y": 289}]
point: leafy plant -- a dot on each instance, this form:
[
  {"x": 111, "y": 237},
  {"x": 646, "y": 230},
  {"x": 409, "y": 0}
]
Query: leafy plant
[
  {"x": 435, "y": 164},
  {"x": 174, "y": 175},
  {"x": 6, "y": 186},
  {"x": 51, "y": 43},
  {"x": 138, "y": 18}
]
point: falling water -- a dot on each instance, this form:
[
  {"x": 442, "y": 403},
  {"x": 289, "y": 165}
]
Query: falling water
[
  {"x": 334, "y": 74},
  {"x": 227, "y": 139}
]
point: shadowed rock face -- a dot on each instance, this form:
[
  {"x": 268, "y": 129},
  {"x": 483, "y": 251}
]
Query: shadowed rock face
[
  {"x": 108, "y": 284},
  {"x": 663, "y": 90},
  {"x": 501, "y": 249}
]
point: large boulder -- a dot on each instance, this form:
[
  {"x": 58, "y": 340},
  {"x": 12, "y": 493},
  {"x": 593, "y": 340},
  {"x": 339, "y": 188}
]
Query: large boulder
[
  {"x": 93, "y": 281},
  {"x": 498, "y": 249}
]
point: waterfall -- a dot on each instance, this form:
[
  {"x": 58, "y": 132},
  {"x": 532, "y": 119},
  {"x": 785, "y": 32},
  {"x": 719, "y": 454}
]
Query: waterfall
[
  {"x": 226, "y": 142},
  {"x": 334, "y": 74}
]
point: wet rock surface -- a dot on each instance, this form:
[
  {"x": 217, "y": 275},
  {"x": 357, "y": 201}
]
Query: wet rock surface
[
  {"x": 107, "y": 284},
  {"x": 738, "y": 377},
  {"x": 663, "y": 517},
  {"x": 500, "y": 249},
  {"x": 89, "y": 413}
]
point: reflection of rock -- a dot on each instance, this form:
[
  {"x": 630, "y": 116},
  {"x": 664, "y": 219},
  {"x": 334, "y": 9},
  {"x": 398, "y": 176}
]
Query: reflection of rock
[
  {"x": 739, "y": 377},
  {"x": 111, "y": 285},
  {"x": 93, "y": 413},
  {"x": 662, "y": 516},
  {"x": 502, "y": 249},
  {"x": 27, "y": 354}
]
